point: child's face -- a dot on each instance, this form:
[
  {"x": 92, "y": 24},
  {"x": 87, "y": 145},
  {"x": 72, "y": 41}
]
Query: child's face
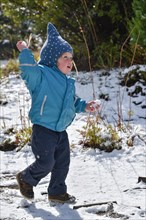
[{"x": 65, "y": 63}]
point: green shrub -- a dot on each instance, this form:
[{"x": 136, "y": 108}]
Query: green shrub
[
  {"x": 106, "y": 55},
  {"x": 11, "y": 67},
  {"x": 17, "y": 139},
  {"x": 133, "y": 76},
  {"x": 97, "y": 134},
  {"x": 138, "y": 23}
]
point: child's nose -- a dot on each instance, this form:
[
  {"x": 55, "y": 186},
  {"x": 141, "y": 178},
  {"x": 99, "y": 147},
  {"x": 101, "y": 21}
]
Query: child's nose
[{"x": 70, "y": 59}]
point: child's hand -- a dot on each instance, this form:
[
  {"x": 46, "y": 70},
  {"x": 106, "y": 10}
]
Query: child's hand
[
  {"x": 21, "y": 45},
  {"x": 92, "y": 106}
]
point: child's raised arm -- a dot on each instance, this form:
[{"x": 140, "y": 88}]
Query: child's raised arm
[{"x": 30, "y": 71}]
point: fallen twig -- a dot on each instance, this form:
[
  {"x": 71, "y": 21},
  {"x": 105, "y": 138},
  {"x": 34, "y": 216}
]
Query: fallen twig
[
  {"x": 134, "y": 188},
  {"x": 92, "y": 204}
]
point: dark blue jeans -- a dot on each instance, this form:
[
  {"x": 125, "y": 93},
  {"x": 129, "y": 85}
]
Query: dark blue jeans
[{"x": 52, "y": 154}]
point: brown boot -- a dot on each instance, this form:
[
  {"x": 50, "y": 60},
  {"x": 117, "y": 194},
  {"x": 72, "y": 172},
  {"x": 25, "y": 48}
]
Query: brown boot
[
  {"x": 64, "y": 198},
  {"x": 25, "y": 188}
]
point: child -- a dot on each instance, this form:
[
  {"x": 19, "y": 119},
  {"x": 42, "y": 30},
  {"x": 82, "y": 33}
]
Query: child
[{"x": 53, "y": 108}]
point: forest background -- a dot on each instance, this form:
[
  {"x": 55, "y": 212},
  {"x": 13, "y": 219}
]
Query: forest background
[{"x": 103, "y": 33}]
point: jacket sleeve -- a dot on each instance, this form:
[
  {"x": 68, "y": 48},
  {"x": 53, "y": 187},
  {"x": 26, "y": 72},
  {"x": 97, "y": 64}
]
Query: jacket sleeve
[
  {"x": 30, "y": 71},
  {"x": 80, "y": 104}
]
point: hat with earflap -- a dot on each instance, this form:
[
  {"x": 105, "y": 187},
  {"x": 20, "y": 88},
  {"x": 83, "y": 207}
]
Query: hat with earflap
[{"x": 53, "y": 47}]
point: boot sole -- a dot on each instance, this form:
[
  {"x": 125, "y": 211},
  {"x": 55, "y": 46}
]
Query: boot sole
[{"x": 55, "y": 201}]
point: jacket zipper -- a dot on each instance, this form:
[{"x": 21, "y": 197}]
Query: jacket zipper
[{"x": 42, "y": 106}]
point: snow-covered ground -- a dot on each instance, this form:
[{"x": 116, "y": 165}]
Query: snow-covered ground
[{"x": 95, "y": 176}]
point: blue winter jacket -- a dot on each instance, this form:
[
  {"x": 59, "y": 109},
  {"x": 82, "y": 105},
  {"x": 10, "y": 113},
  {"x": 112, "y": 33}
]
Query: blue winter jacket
[{"x": 54, "y": 102}]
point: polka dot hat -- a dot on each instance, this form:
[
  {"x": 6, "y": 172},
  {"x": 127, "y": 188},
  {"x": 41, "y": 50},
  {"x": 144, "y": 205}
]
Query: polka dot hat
[{"x": 53, "y": 47}]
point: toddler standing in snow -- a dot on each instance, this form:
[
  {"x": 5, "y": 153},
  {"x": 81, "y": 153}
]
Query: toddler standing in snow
[{"x": 53, "y": 108}]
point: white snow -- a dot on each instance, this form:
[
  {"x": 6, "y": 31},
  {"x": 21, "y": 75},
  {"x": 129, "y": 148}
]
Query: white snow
[{"x": 95, "y": 176}]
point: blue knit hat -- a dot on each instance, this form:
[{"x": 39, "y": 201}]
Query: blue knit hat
[{"x": 53, "y": 47}]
